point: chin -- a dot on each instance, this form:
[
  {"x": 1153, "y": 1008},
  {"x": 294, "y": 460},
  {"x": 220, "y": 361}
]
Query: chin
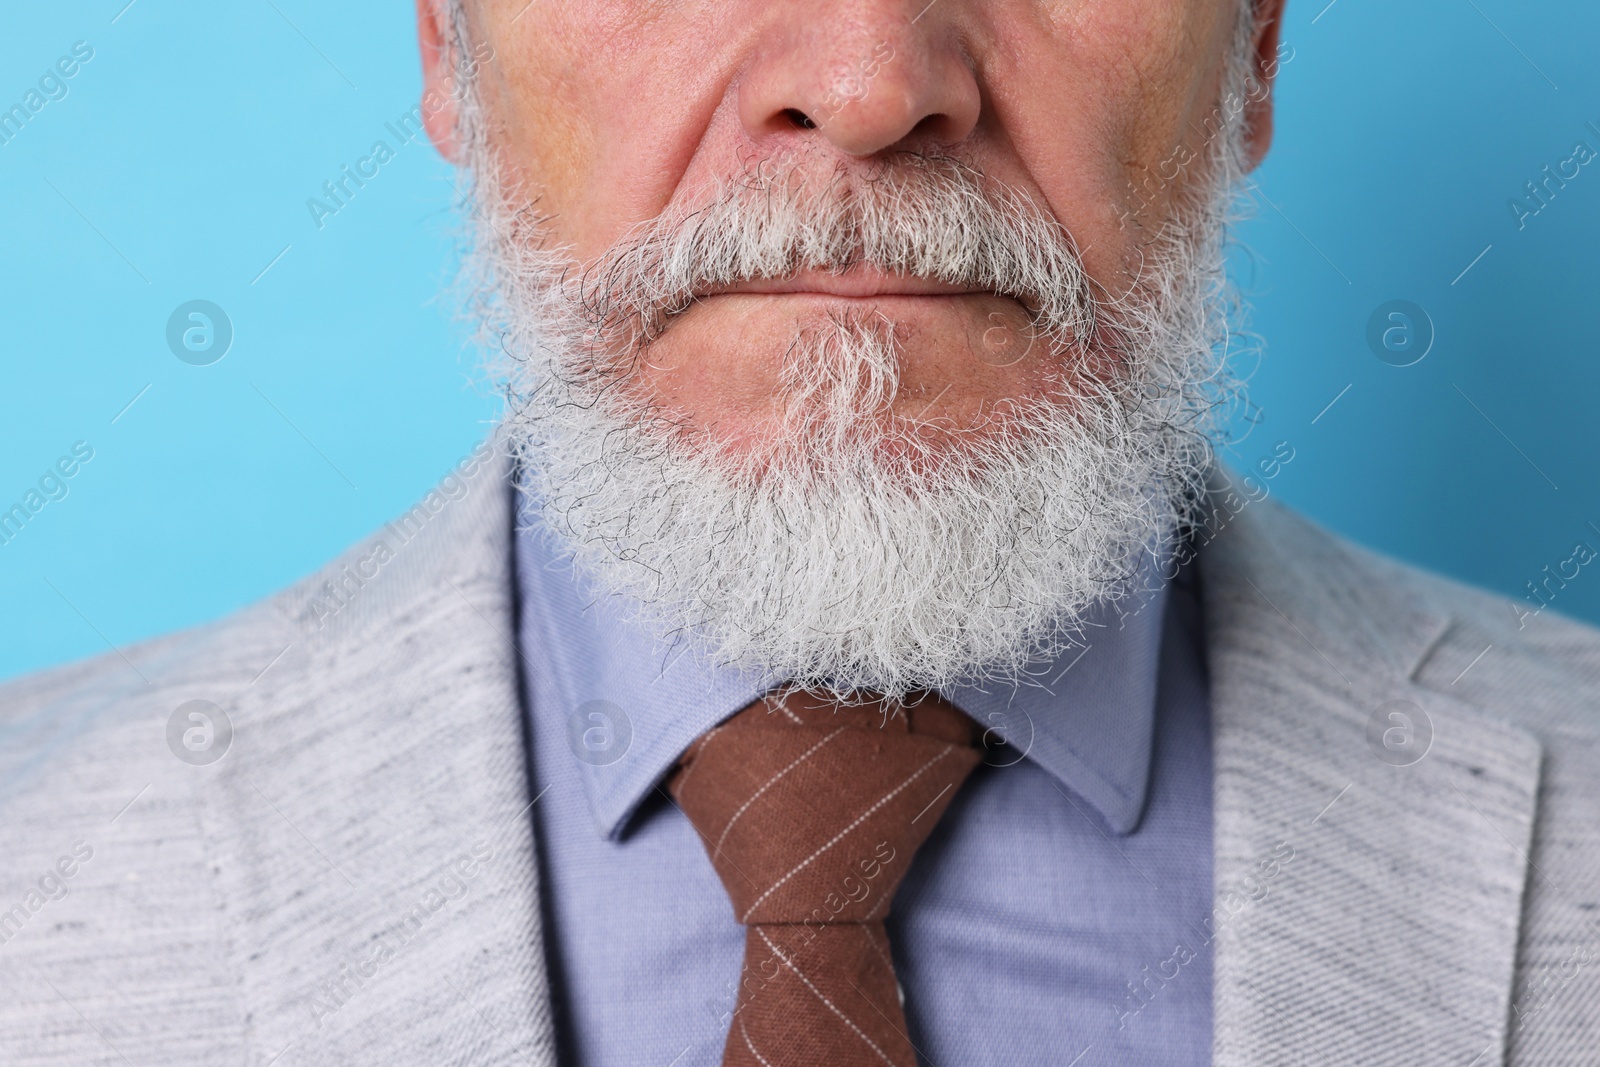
[{"x": 922, "y": 385}]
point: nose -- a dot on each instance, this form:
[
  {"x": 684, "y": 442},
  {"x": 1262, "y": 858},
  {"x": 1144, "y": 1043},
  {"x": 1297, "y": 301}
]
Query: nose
[{"x": 865, "y": 75}]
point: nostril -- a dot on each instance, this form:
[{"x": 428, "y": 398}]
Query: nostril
[{"x": 799, "y": 119}]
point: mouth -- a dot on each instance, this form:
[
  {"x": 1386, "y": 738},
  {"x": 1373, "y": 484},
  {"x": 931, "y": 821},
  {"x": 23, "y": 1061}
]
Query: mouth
[{"x": 860, "y": 282}]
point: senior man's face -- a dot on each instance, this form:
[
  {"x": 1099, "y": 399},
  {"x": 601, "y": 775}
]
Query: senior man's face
[
  {"x": 616, "y": 111},
  {"x": 857, "y": 266}
]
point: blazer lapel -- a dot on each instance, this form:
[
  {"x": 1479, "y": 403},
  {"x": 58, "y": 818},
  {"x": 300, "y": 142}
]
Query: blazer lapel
[
  {"x": 1371, "y": 836},
  {"x": 374, "y": 845}
]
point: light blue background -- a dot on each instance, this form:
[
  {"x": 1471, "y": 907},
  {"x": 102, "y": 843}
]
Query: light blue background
[{"x": 179, "y": 164}]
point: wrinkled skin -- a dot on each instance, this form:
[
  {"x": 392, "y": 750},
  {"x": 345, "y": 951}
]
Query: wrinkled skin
[{"x": 611, "y": 111}]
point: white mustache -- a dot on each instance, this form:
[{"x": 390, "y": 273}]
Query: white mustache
[{"x": 923, "y": 216}]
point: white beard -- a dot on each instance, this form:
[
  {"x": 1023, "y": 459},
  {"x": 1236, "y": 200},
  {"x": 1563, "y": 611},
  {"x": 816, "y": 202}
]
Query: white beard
[{"x": 852, "y": 550}]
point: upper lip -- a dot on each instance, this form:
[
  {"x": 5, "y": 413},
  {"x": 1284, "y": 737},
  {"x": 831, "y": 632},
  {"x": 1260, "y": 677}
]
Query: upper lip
[{"x": 858, "y": 281}]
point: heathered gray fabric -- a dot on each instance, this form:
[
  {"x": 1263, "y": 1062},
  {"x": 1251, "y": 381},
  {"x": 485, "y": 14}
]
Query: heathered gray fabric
[
  {"x": 367, "y": 759},
  {"x": 374, "y": 751},
  {"x": 1391, "y": 936}
]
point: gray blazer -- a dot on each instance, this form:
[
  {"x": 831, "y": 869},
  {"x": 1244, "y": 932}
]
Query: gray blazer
[{"x": 353, "y": 881}]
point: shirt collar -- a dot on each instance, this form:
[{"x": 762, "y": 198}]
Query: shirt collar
[{"x": 1086, "y": 716}]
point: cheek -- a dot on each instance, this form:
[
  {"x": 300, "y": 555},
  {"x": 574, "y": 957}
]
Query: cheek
[
  {"x": 1094, "y": 96},
  {"x": 540, "y": 104},
  {"x": 599, "y": 106},
  {"x": 1071, "y": 113}
]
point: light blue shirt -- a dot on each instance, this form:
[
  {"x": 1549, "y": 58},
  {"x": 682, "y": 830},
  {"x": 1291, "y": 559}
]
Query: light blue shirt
[{"x": 1058, "y": 914}]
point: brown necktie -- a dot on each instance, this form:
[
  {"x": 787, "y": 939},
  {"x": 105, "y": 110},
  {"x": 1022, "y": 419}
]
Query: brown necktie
[{"x": 811, "y": 811}]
